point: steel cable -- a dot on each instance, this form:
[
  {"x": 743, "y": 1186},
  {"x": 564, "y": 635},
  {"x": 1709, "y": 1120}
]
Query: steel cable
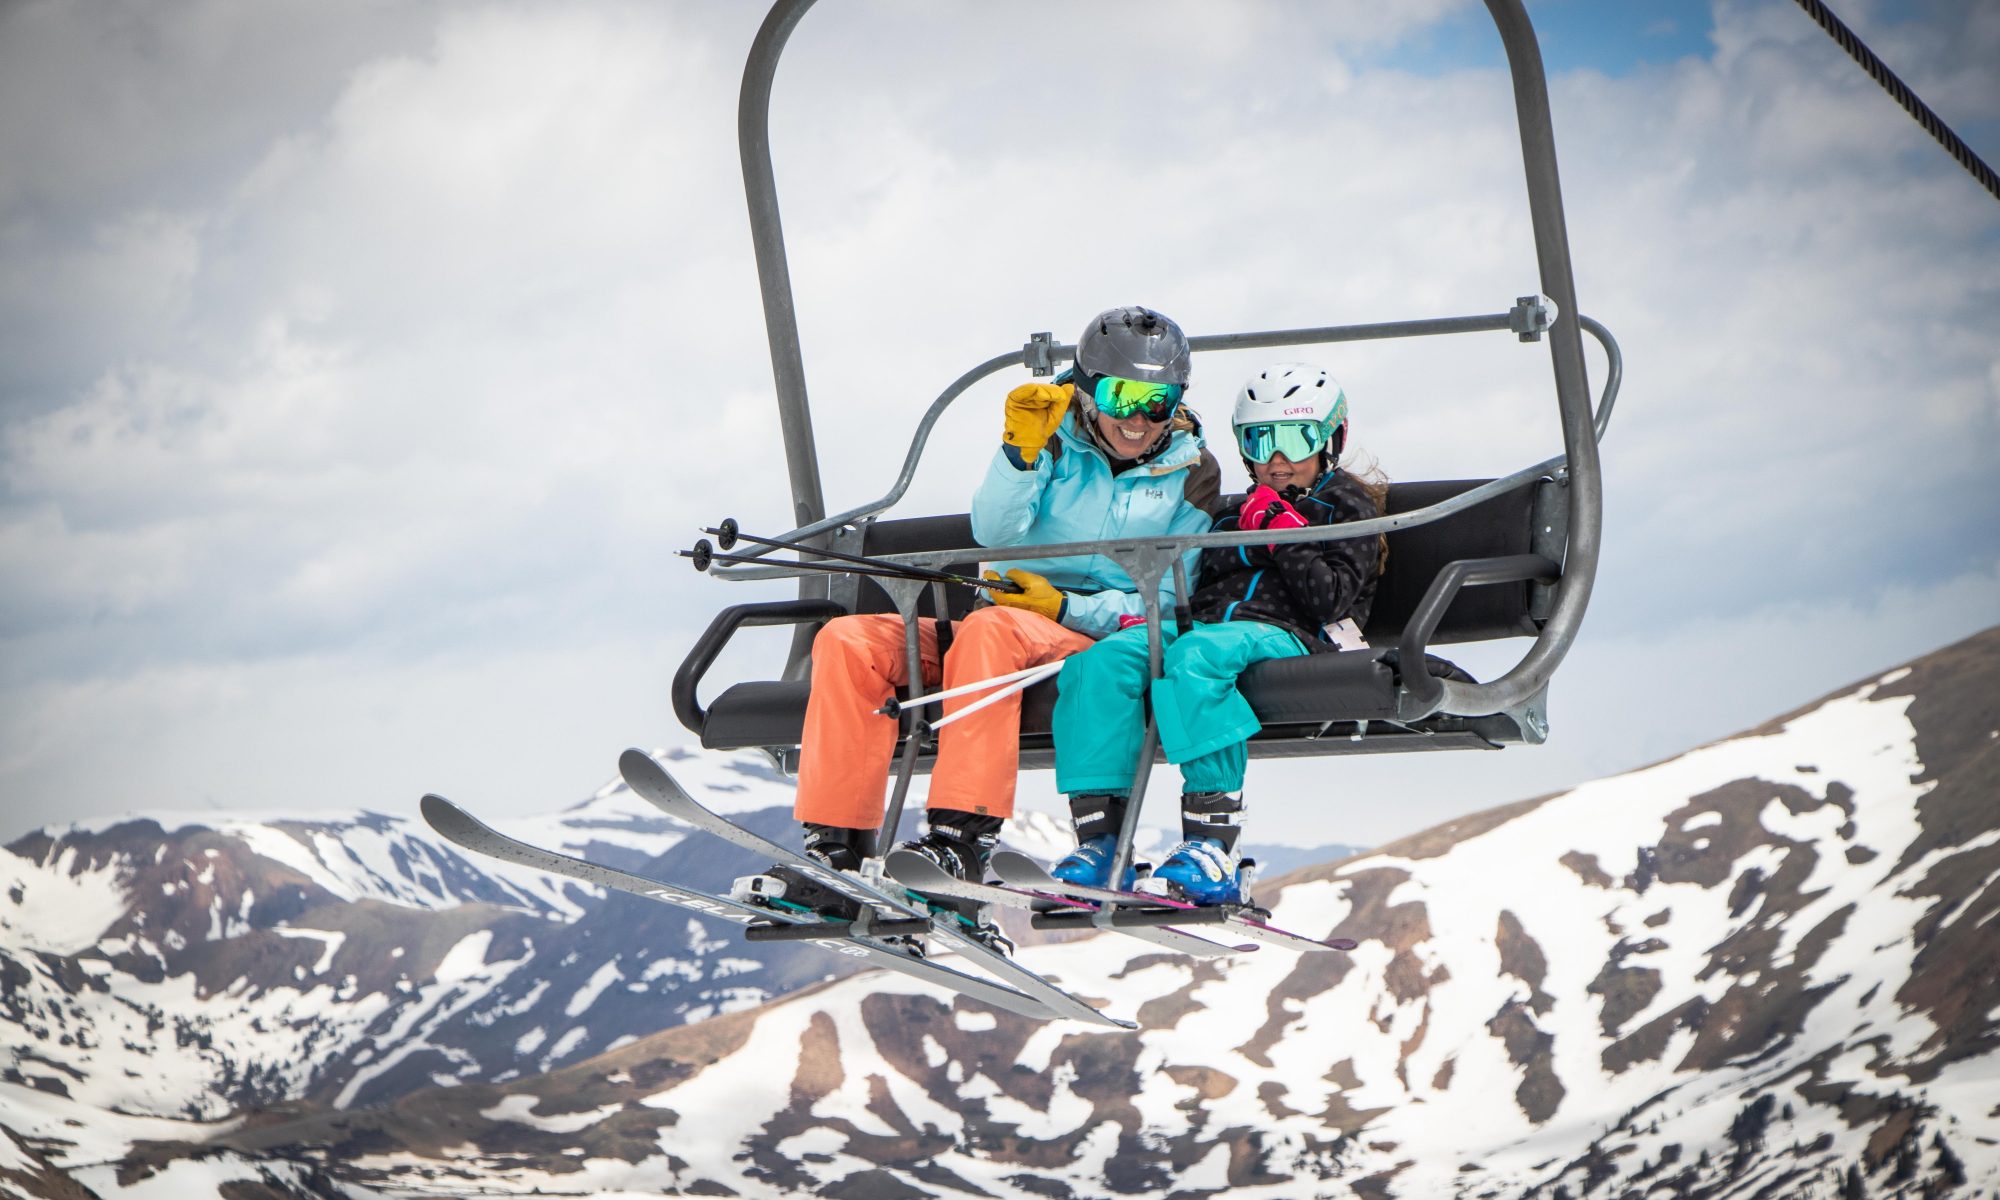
[{"x": 1911, "y": 102}]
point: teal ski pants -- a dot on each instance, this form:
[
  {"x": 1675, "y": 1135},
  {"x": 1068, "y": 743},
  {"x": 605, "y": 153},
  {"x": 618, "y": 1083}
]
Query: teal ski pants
[{"x": 1203, "y": 720}]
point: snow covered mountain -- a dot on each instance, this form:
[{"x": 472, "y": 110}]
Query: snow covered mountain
[
  {"x": 190, "y": 967},
  {"x": 193, "y": 966},
  {"x": 1763, "y": 968}
]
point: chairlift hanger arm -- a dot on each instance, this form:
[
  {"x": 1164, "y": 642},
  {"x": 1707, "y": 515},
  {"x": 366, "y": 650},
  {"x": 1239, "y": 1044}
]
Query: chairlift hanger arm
[{"x": 1530, "y": 676}]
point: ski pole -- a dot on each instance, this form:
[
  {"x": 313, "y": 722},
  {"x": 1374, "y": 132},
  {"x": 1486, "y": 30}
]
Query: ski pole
[
  {"x": 1047, "y": 671},
  {"x": 895, "y": 706},
  {"x": 704, "y": 555},
  {"x": 727, "y": 535}
]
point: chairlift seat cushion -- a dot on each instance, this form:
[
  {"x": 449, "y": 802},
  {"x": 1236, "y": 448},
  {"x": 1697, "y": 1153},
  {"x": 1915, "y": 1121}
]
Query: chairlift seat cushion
[{"x": 1313, "y": 689}]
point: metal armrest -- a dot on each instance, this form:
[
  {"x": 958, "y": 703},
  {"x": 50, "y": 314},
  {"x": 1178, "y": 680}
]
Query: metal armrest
[
  {"x": 720, "y": 630},
  {"x": 1421, "y": 691}
]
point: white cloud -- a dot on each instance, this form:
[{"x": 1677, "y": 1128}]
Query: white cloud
[{"x": 432, "y": 362}]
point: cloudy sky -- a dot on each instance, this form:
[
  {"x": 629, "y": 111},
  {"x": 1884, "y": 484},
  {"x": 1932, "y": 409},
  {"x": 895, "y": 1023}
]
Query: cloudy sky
[{"x": 361, "y": 365}]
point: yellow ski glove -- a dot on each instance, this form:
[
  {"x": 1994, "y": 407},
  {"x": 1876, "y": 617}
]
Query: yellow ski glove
[
  {"x": 1033, "y": 412},
  {"x": 1037, "y": 594}
]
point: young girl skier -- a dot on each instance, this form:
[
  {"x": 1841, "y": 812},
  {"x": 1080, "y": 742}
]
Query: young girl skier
[{"x": 1253, "y": 603}]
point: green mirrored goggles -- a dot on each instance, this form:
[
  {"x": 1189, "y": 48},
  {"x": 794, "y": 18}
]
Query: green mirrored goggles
[{"x": 1121, "y": 398}]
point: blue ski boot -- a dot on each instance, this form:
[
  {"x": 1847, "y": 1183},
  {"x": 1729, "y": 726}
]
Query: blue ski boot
[
  {"x": 1089, "y": 865},
  {"x": 1200, "y": 871},
  {"x": 1205, "y": 868},
  {"x": 1097, "y": 819}
]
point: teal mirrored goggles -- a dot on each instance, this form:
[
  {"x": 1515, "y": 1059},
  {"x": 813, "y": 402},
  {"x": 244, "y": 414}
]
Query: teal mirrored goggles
[
  {"x": 1296, "y": 440},
  {"x": 1121, "y": 398}
]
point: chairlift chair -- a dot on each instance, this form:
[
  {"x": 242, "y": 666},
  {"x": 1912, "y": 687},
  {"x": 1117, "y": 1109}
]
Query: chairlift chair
[{"x": 1469, "y": 560}]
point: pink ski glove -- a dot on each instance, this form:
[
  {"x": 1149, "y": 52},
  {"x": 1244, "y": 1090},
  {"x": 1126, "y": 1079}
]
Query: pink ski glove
[{"x": 1265, "y": 509}]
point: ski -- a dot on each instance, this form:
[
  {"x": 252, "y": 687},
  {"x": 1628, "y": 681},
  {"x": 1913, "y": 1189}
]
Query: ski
[
  {"x": 651, "y": 782},
  {"x": 1018, "y": 870},
  {"x": 920, "y": 874},
  {"x": 841, "y": 937}
]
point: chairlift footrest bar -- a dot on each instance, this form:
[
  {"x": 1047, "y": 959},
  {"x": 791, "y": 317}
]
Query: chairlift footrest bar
[
  {"x": 1121, "y": 918},
  {"x": 918, "y": 873},
  {"x": 793, "y": 932}
]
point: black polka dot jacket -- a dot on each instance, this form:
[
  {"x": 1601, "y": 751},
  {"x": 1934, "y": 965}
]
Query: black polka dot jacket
[{"x": 1302, "y": 586}]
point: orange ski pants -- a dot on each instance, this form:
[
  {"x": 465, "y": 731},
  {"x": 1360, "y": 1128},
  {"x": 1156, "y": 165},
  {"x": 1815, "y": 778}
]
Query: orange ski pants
[{"x": 859, "y": 661}]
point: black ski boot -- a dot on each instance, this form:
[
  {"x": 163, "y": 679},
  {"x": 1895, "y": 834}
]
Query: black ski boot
[
  {"x": 785, "y": 886},
  {"x": 960, "y": 843}
]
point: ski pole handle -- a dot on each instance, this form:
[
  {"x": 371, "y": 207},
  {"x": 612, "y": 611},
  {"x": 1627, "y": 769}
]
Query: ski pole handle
[
  {"x": 704, "y": 556},
  {"x": 727, "y": 534}
]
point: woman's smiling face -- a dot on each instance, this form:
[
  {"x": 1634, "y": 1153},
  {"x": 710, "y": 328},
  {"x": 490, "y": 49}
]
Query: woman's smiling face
[{"x": 1129, "y": 437}]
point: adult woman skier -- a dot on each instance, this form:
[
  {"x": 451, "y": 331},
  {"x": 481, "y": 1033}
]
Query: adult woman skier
[
  {"x": 1109, "y": 454},
  {"x": 1253, "y": 603}
]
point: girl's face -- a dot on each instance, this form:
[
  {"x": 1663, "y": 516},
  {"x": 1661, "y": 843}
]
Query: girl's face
[{"x": 1281, "y": 472}]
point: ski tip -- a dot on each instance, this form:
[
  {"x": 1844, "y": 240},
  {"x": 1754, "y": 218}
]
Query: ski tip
[
  {"x": 909, "y": 867},
  {"x": 637, "y": 762},
  {"x": 1018, "y": 869},
  {"x": 445, "y": 817},
  {"x": 1342, "y": 943}
]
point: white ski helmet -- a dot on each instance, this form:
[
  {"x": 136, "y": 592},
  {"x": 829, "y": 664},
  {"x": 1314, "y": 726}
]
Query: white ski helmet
[{"x": 1292, "y": 408}]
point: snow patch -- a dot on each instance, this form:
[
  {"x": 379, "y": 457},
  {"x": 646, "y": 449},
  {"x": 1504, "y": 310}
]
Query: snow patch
[
  {"x": 586, "y": 996},
  {"x": 331, "y": 943},
  {"x": 59, "y": 908},
  {"x": 521, "y": 1111}
]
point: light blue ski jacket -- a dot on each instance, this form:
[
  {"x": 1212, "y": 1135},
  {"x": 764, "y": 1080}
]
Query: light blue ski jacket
[{"x": 1070, "y": 495}]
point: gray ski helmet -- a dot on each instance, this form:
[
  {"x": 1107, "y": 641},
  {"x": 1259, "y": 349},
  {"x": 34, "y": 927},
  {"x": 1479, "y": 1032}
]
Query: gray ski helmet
[{"x": 1133, "y": 343}]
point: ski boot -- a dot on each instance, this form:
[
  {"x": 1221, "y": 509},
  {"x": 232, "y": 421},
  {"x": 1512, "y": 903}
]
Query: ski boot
[
  {"x": 785, "y": 886},
  {"x": 960, "y": 843},
  {"x": 1200, "y": 871},
  {"x": 1205, "y": 869},
  {"x": 1096, "y": 820}
]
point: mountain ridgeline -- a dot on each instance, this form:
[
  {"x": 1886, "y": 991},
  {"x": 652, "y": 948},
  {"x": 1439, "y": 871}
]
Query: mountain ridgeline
[{"x": 1766, "y": 967}]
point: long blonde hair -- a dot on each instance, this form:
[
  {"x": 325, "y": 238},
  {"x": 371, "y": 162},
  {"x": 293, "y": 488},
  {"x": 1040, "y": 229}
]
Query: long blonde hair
[{"x": 1369, "y": 475}]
